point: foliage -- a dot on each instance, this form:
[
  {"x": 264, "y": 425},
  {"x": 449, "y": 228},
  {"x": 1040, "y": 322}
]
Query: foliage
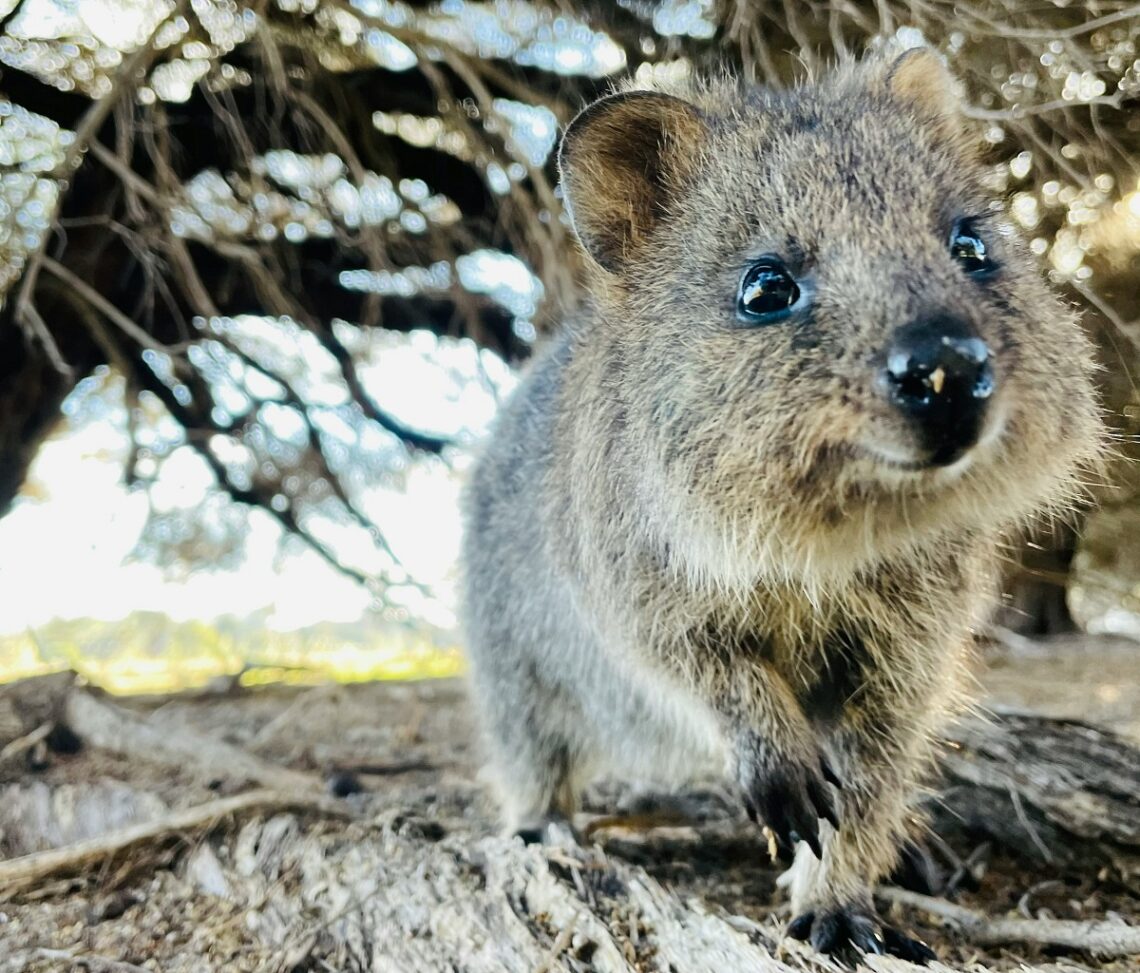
[
  {"x": 147, "y": 652},
  {"x": 225, "y": 198}
]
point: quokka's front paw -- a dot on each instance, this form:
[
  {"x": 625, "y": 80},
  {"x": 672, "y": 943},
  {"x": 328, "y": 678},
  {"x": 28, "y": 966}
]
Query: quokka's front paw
[
  {"x": 789, "y": 796},
  {"x": 848, "y": 931}
]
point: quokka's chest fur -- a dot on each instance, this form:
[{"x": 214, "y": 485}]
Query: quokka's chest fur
[{"x": 904, "y": 620}]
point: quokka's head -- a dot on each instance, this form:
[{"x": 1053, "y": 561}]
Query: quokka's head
[{"x": 826, "y": 342}]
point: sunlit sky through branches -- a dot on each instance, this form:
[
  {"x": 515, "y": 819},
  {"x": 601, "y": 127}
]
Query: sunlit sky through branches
[
  {"x": 68, "y": 548},
  {"x": 83, "y": 542}
]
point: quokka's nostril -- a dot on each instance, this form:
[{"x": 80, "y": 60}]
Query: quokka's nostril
[
  {"x": 984, "y": 383},
  {"x": 970, "y": 349}
]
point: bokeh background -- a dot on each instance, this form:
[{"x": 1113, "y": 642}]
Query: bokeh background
[{"x": 268, "y": 267}]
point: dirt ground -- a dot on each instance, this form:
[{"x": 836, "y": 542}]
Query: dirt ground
[{"x": 398, "y": 867}]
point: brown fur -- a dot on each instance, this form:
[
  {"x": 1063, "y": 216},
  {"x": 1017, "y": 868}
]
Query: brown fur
[{"x": 690, "y": 541}]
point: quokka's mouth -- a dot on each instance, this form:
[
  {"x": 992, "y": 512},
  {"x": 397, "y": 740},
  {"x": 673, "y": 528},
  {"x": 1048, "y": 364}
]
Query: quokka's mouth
[{"x": 901, "y": 464}]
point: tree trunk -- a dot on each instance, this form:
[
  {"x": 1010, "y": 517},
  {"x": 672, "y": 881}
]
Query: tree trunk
[{"x": 31, "y": 392}]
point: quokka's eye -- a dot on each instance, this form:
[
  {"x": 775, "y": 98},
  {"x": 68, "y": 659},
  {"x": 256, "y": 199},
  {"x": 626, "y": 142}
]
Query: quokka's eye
[
  {"x": 767, "y": 292},
  {"x": 969, "y": 249}
]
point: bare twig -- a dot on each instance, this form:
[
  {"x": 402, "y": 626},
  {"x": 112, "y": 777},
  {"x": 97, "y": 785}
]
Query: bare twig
[
  {"x": 25, "y": 743},
  {"x": 1100, "y": 937},
  {"x": 124, "y": 82},
  {"x": 129, "y": 177},
  {"x": 559, "y": 946},
  {"x": 105, "y": 307},
  {"x": 20, "y": 873},
  {"x": 1068, "y": 33},
  {"x": 1024, "y": 111},
  {"x": 287, "y": 518},
  {"x": 33, "y": 321}
]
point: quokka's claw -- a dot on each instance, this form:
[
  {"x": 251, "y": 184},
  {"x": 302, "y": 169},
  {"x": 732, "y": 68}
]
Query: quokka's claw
[
  {"x": 829, "y": 773},
  {"x": 800, "y": 927},
  {"x": 791, "y": 799},
  {"x": 902, "y": 946},
  {"x": 844, "y": 933}
]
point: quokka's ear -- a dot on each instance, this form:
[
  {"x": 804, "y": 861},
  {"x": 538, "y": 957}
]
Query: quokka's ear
[
  {"x": 622, "y": 161},
  {"x": 920, "y": 78}
]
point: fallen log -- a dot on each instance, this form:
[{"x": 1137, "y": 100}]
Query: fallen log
[
  {"x": 102, "y": 724},
  {"x": 1057, "y": 792}
]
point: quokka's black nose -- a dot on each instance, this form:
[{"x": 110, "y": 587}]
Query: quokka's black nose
[{"x": 938, "y": 372}]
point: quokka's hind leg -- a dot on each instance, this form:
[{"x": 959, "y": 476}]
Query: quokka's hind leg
[
  {"x": 536, "y": 758},
  {"x": 540, "y": 795}
]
